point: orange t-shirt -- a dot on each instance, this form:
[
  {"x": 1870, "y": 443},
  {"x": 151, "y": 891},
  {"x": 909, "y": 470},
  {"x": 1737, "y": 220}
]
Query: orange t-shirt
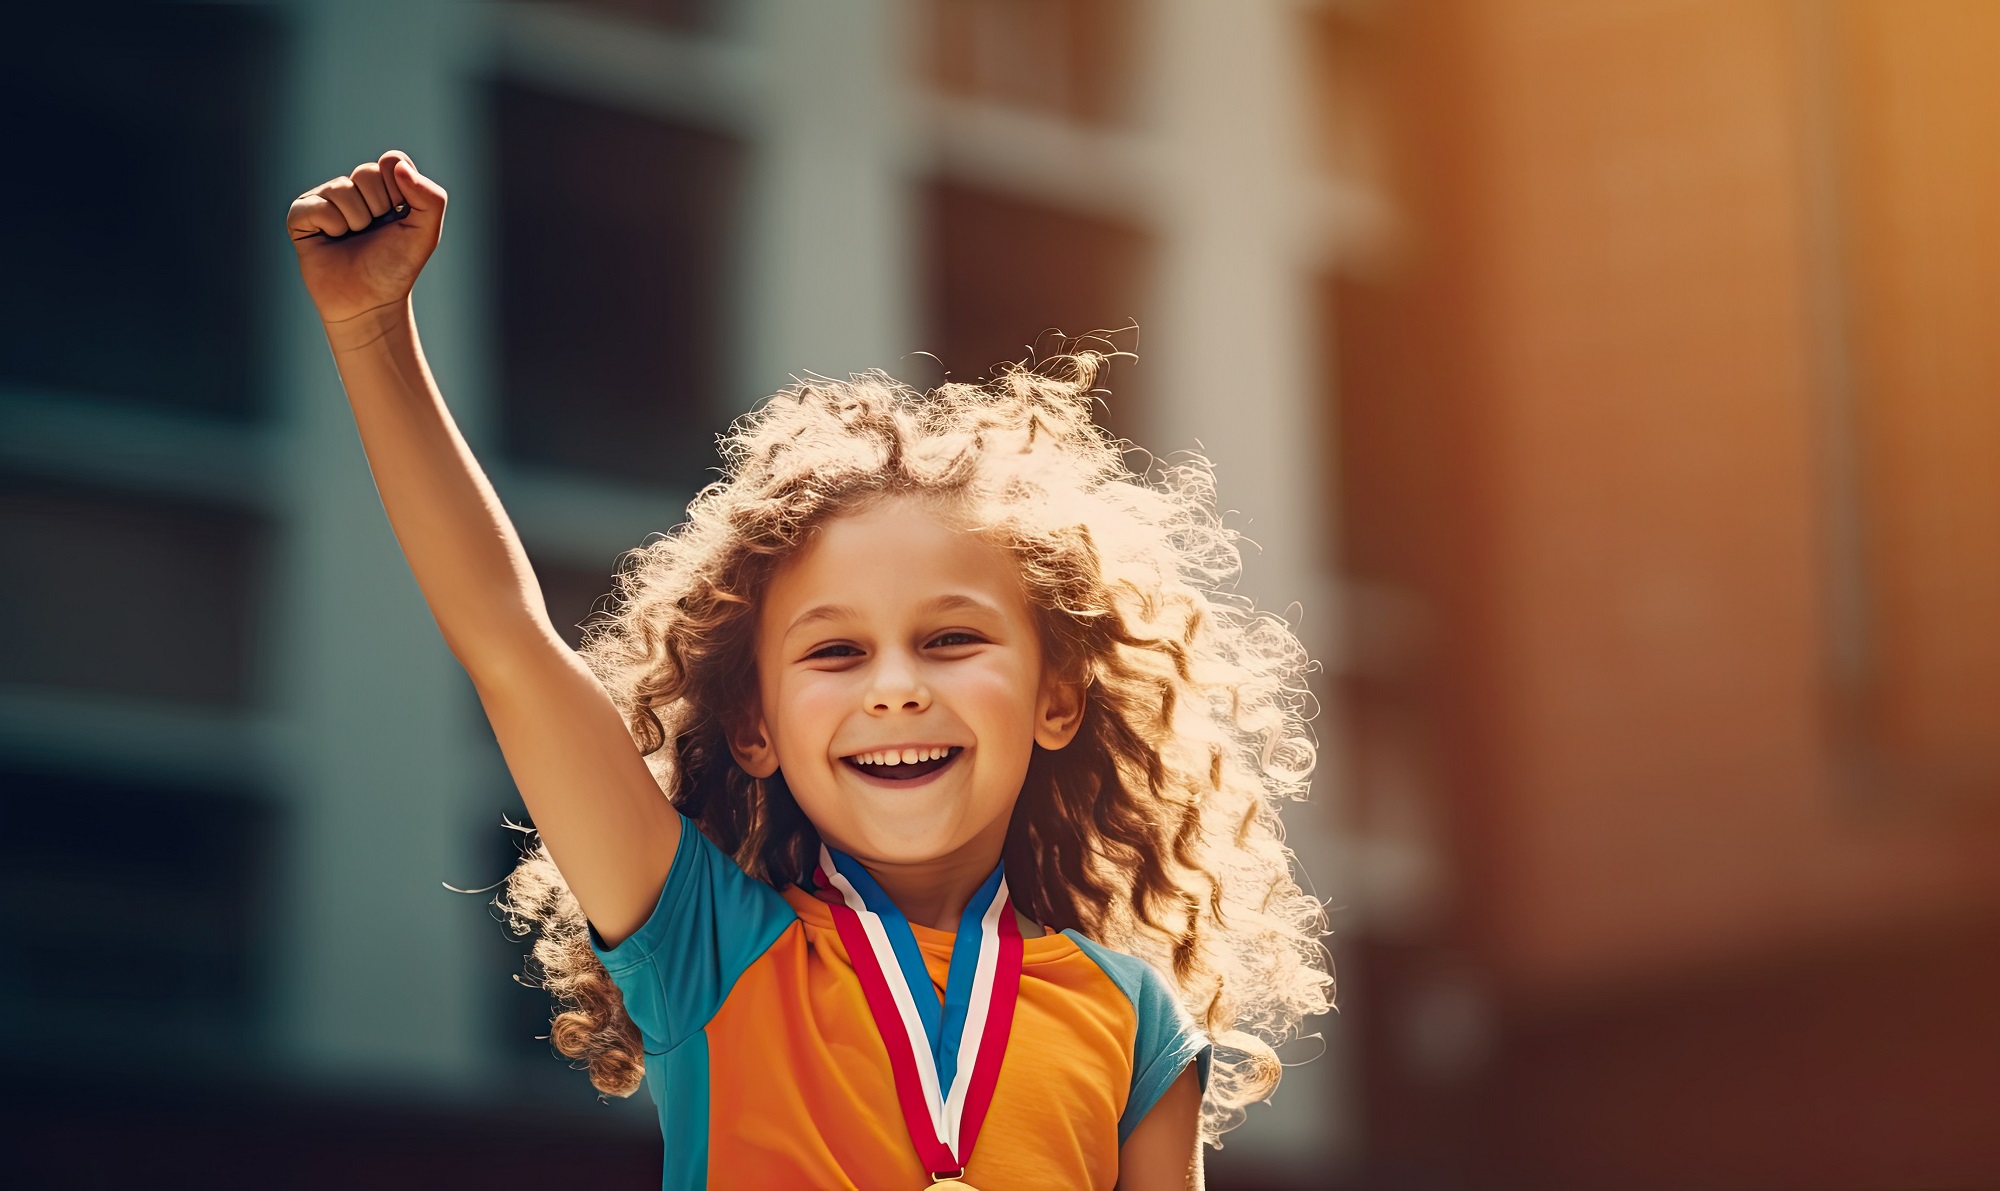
[{"x": 767, "y": 1069}]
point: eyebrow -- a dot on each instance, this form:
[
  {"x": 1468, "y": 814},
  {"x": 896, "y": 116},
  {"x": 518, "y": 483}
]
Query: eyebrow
[{"x": 943, "y": 603}]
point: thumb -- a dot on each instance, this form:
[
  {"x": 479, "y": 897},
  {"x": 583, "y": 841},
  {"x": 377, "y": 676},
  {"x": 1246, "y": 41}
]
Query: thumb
[{"x": 417, "y": 190}]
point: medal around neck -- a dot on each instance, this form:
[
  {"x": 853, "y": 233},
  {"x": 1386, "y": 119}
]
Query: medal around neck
[{"x": 946, "y": 1057}]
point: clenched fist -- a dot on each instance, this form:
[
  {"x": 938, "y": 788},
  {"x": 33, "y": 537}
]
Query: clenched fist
[{"x": 349, "y": 274}]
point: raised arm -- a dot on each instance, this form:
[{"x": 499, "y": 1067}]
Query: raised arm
[{"x": 593, "y": 799}]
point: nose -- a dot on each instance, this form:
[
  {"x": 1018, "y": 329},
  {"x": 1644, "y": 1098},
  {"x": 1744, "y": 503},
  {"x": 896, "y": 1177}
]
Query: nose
[{"x": 894, "y": 684}]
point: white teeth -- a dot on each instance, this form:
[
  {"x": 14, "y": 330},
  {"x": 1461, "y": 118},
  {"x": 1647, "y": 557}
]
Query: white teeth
[{"x": 903, "y": 756}]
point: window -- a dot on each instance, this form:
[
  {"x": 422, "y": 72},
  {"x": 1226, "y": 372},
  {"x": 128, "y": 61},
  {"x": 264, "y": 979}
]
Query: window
[
  {"x": 1349, "y": 48},
  {"x": 523, "y": 1010},
  {"x": 145, "y": 597},
  {"x": 616, "y": 242},
  {"x": 138, "y": 201},
  {"x": 1006, "y": 274},
  {"x": 688, "y": 16},
  {"x": 144, "y": 913},
  {"x": 1072, "y": 58},
  {"x": 572, "y": 595}
]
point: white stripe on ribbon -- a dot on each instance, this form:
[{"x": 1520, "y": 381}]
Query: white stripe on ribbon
[
  {"x": 946, "y": 1114},
  {"x": 974, "y": 1031}
]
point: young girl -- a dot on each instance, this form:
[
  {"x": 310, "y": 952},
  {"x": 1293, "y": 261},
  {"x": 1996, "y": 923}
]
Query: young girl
[{"x": 968, "y": 865}]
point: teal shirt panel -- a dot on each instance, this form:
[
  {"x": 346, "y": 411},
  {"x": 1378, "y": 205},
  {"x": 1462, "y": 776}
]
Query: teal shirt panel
[
  {"x": 710, "y": 924},
  {"x": 1167, "y": 1039}
]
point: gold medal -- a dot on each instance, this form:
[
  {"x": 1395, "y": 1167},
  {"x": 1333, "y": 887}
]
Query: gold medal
[{"x": 953, "y": 1183}]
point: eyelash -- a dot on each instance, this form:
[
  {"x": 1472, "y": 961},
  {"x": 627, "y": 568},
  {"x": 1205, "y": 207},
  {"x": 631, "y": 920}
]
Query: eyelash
[{"x": 970, "y": 639}]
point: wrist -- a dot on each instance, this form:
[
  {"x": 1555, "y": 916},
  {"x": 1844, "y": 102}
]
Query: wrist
[{"x": 370, "y": 326}]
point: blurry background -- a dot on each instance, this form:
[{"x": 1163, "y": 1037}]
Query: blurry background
[{"x": 1609, "y": 385}]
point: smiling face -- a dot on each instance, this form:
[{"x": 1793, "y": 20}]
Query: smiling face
[{"x": 902, "y": 688}]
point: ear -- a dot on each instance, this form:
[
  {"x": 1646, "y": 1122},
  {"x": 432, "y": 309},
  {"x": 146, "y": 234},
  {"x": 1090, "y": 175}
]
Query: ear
[
  {"x": 750, "y": 744},
  {"x": 1058, "y": 711}
]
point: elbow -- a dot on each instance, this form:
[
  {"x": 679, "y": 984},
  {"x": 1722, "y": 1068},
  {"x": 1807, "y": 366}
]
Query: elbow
[{"x": 498, "y": 654}]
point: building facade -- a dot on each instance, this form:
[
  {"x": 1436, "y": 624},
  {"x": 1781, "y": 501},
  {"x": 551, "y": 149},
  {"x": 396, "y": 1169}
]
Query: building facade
[{"x": 242, "y": 765}]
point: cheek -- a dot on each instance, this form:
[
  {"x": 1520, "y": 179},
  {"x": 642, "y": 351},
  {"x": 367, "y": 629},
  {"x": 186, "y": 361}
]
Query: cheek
[
  {"x": 809, "y": 707},
  {"x": 1000, "y": 696}
]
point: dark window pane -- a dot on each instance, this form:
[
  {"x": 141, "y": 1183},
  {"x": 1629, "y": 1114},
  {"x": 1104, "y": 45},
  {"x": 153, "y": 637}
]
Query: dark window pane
[
  {"x": 138, "y": 595},
  {"x": 1006, "y": 275},
  {"x": 690, "y": 16},
  {"x": 1349, "y": 50},
  {"x": 135, "y": 137},
  {"x": 615, "y": 236},
  {"x": 524, "y": 1008},
  {"x": 572, "y": 595},
  {"x": 1072, "y": 58},
  {"x": 144, "y": 923}
]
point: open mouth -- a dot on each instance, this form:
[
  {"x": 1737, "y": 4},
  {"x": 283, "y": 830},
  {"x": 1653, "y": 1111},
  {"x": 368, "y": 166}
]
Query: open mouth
[{"x": 904, "y": 765}]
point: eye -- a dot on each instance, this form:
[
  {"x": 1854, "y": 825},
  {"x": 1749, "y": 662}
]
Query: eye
[
  {"x": 957, "y": 637},
  {"x": 834, "y": 651}
]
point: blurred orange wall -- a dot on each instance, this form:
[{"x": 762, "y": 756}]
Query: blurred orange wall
[
  {"x": 1631, "y": 210},
  {"x": 1677, "y": 416}
]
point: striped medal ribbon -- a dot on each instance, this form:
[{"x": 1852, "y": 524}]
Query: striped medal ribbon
[{"x": 946, "y": 1057}]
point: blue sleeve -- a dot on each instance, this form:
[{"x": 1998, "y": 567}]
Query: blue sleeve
[
  {"x": 711, "y": 923},
  {"x": 1167, "y": 1039}
]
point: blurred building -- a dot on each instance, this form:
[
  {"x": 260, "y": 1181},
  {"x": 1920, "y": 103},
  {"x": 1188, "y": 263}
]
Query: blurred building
[
  {"x": 239, "y": 763},
  {"x": 1669, "y": 478},
  {"x": 1610, "y": 384}
]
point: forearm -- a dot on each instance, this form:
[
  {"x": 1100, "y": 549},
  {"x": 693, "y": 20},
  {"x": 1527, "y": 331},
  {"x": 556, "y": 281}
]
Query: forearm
[{"x": 452, "y": 528}]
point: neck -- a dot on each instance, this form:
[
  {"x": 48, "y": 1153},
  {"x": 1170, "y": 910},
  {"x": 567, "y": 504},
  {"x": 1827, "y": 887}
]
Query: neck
[{"x": 934, "y": 893}]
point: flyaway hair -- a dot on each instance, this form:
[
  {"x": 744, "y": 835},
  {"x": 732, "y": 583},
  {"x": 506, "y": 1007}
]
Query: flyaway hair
[{"x": 1155, "y": 832}]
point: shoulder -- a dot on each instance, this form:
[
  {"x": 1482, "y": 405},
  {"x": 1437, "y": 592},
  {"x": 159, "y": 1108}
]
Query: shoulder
[
  {"x": 1165, "y": 1037},
  {"x": 710, "y": 923},
  {"x": 1152, "y": 996}
]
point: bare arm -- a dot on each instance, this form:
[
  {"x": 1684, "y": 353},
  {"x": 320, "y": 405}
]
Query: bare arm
[
  {"x": 592, "y": 797},
  {"x": 1164, "y": 1152}
]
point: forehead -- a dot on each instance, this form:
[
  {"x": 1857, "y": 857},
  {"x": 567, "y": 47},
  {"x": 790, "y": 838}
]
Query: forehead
[{"x": 893, "y": 559}]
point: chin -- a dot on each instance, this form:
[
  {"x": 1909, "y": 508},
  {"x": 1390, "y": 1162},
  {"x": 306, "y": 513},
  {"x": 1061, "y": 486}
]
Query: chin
[
  {"x": 898, "y": 843},
  {"x": 896, "y": 834},
  {"x": 897, "y": 826}
]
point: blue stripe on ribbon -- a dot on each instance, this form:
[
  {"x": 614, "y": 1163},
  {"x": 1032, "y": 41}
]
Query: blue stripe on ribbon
[
  {"x": 958, "y": 982},
  {"x": 944, "y": 1035}
]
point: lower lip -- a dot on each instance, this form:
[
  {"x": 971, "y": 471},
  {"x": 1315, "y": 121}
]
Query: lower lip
[{"x": 911, "y": 783}]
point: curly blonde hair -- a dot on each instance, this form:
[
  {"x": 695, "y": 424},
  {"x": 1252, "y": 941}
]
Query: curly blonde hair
[{"x": 1155, "y": 832}]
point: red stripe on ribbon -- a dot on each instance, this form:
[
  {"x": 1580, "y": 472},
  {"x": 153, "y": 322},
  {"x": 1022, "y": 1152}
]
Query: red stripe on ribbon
[
  {"x": 999, "y": 1024},
  {"x": 889, "y": 1025}
]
